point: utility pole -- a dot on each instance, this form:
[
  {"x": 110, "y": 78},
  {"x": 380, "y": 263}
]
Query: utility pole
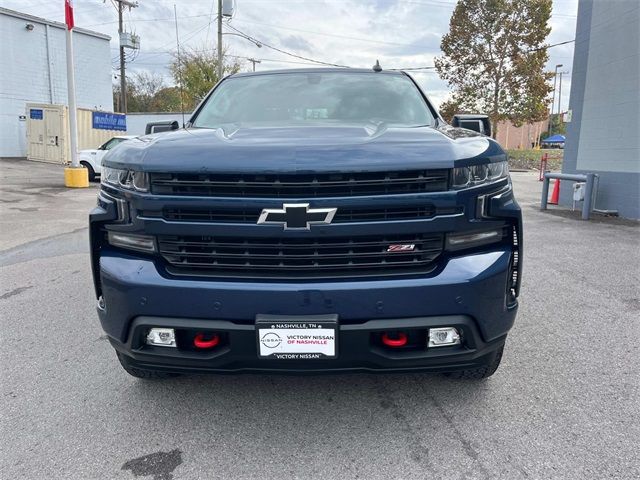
[
  {"x": 220, "y": 69},
  {"x": 254, "y": 61},
  {"x": 123, "y": 78}
]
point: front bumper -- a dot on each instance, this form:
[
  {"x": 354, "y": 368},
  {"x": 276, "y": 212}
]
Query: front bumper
[
  {"x": 468, "y": 293},
  {"x": 358, "y": 351}
]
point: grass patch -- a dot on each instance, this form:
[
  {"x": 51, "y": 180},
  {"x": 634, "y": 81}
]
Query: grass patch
[{"x": 530, "y": 159}]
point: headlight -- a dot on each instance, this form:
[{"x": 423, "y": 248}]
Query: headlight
[
  {"x": 127, "y": 179},
  {"x": 465, "y": 177}
]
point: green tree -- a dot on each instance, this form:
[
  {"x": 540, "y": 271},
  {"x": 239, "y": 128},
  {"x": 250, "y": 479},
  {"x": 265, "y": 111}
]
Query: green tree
[
  {"x": 147, "y": 92},
  {"x": 197, "y": 72},
  {"x": 167, "y": 99},
  {"x": 449, "y": 108},
  {"x": 494, "y": 57}
]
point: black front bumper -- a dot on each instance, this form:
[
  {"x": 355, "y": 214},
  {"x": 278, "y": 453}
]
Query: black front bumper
[{"x": 358, "y": 344}]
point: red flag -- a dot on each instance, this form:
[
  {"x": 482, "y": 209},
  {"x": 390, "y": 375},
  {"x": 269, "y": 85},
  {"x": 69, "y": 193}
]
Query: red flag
[{"x": 68, "y": 13}]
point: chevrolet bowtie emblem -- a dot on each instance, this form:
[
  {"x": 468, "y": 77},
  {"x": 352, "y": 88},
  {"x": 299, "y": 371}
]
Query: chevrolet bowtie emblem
[{"x": 297, "y": 216}]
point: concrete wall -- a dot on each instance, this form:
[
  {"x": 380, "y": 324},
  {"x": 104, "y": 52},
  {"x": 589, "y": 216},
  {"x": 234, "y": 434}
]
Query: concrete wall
[
  {"x": 33, "y": 70},
  {"x": 605, "y": 100}
]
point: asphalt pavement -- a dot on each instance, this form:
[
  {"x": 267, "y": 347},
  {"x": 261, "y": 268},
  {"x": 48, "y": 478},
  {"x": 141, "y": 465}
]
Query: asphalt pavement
[{"x": 564, "y": 404}]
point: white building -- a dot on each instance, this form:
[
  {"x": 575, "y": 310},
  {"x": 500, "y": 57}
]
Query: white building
[{"x": 33, "y": 69}]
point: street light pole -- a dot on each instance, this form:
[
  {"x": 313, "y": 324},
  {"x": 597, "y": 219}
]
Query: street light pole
[
  {"x": 560, "y": 94},
  {"x": 553, "y": 99},
  {"x": 220, "y": 69}
]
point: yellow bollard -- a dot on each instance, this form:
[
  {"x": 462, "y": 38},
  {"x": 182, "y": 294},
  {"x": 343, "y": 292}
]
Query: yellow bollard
[{"x": 76, "y": 177}]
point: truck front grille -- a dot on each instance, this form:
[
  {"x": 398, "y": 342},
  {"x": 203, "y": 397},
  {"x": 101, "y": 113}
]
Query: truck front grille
[
  {"x": 300, "y": 185},
  {"x": 343, "y": 215},
  {"x": 301, "y": 257}
]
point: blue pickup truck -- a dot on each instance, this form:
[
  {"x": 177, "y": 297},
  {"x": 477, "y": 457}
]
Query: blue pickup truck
[{"x": 312, "y": 220}]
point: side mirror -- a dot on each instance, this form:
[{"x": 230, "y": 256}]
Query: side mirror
[
  {"x": 476, "y": 122},
  {"x": 165, "y": 126}
]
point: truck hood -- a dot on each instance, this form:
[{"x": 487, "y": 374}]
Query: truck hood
[{"x": 304, "y": 149}]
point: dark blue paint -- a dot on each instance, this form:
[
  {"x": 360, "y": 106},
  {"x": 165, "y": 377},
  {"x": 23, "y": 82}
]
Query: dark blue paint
[
  {"x": 465, "y": 283},
  {"x": 303, "y": 149}
]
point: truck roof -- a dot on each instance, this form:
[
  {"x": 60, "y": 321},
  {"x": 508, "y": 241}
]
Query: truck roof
[{"x": 320, "y": 70}]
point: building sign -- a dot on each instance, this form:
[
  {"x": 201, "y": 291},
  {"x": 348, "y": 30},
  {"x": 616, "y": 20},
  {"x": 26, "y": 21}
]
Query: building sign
[
  {"x": 567, "y": 116},
  {"x": 36, "y": 113},
  {"x": 109, "y": 121}
]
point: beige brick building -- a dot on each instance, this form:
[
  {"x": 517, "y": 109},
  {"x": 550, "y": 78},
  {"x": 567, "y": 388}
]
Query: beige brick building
[{"x": 526, "y": 136}]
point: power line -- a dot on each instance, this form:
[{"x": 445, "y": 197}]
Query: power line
[
  {"x": 206, "y": 38},
  {"x": 149, "y": 20},
  {"x": 531, "y": 50},
  {"x": 319, "y": 62},
  {"x": 150, "y": 53},
  {"x": 189, "y": 36},
  {"x": 360, "y": 39},
  {"x": 269, "y": 60}
]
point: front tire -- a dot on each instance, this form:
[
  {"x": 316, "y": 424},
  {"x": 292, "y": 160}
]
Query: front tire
[
  {"x": 92, "y": 173},
  {"x": 484, "y": 371},
  {"x": 141, "y": 373}
]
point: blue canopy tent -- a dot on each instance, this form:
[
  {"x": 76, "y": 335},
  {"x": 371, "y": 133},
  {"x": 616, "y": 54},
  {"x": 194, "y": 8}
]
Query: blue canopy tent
[{"x": 554, "y": 139}]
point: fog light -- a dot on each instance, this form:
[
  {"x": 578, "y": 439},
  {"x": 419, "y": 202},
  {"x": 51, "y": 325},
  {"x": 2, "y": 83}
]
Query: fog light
[
  {"x": 440, "y": 337},
  {"x": 161, "y": 337}
]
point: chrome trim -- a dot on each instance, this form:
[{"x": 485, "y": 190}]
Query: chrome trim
[
  {"x": 455, "y": 337},
  {"x": 484, "y": 200},
  {"x": 122, "y": 206},
  {"x": 329, "y": 214},
  {"x": 367, "y": 222},
  {"x": 101, "y": 304}
]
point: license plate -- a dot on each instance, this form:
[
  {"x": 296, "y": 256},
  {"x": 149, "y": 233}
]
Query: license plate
[{"x": 297, "y": 338}]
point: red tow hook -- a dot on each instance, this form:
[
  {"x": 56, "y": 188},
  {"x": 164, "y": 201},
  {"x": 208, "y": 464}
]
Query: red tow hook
[
  {"x": 201, "y": 340},
  {"x": 400, "y": 341}
]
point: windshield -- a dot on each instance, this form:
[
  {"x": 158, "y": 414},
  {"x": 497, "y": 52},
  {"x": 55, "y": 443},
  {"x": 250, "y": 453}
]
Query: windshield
[
  {"x": 112, "y": 143},
  {"x": 315, "y": 99}
]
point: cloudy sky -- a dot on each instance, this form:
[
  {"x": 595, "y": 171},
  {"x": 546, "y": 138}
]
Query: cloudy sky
[{"x": 400, "y": 33}]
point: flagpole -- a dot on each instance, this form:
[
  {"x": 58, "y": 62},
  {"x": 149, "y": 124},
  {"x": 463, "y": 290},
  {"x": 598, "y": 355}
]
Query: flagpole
[
  {"x": 75, "y": 175},
  {"x": 71, "y": 89}
]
